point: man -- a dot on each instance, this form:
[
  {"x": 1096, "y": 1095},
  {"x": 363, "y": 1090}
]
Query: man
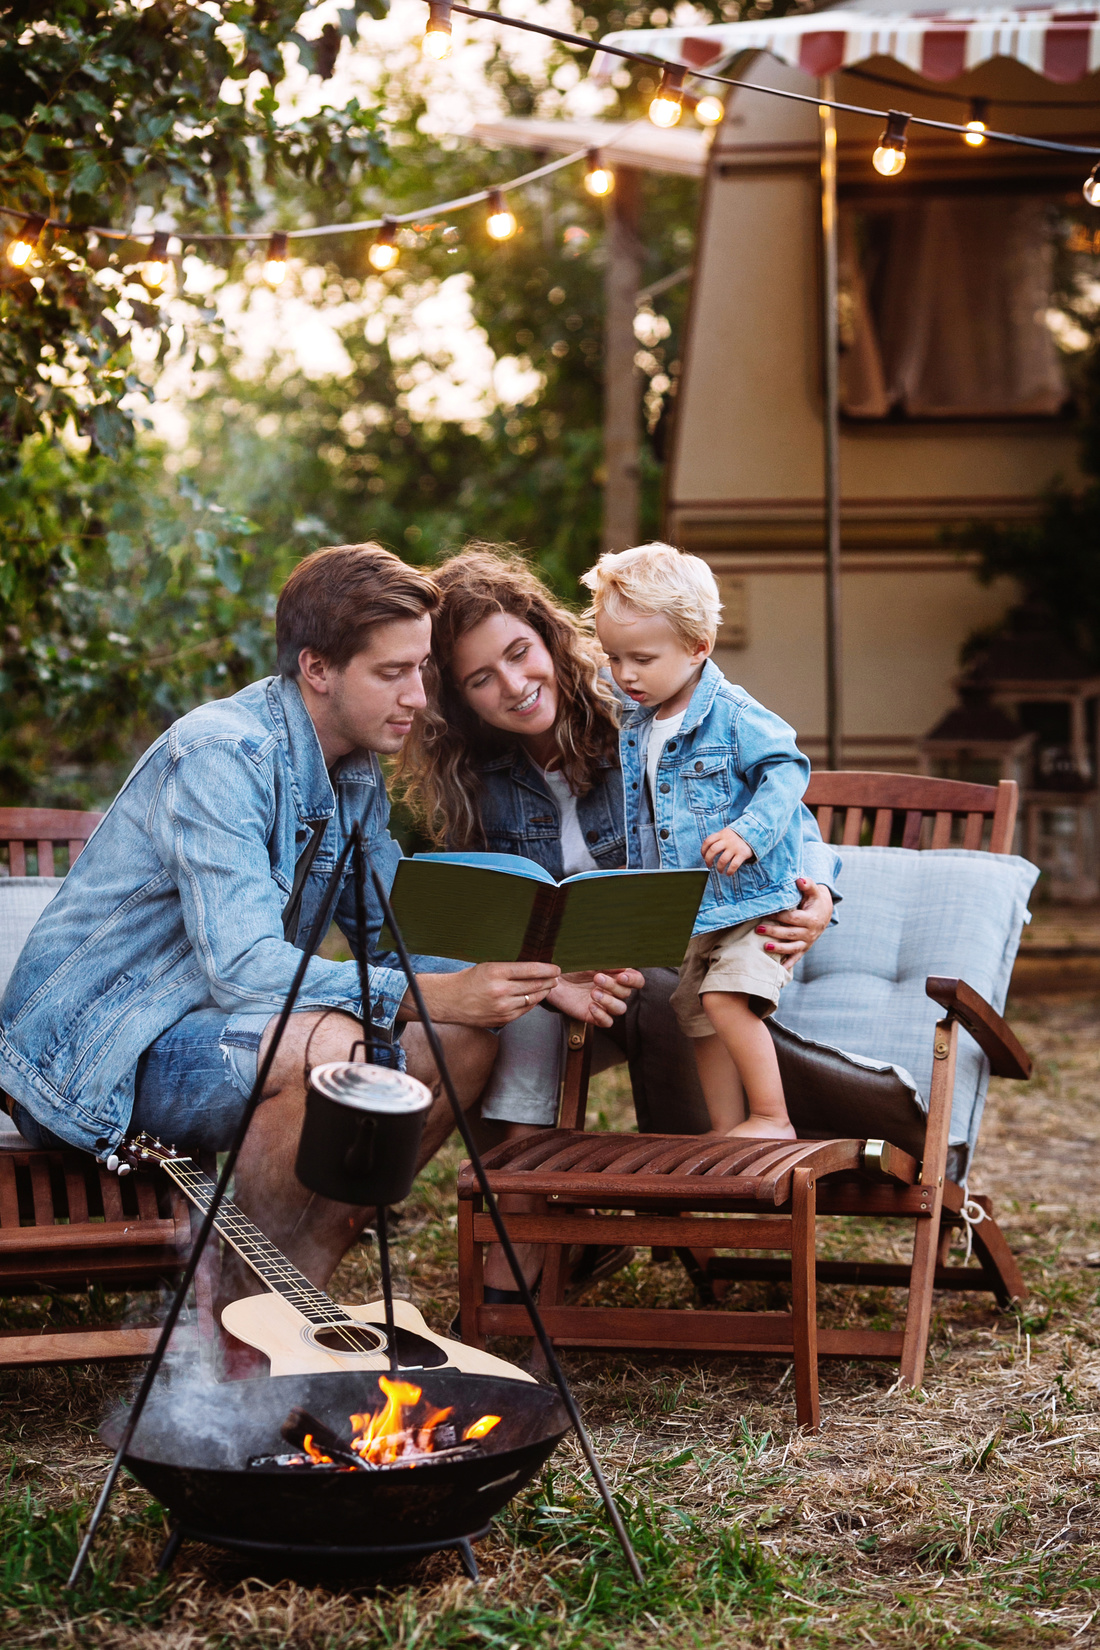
[{"x": 149, "y": 989}]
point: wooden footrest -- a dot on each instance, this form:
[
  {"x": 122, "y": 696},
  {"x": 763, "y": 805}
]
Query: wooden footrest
[{"x": 566, "y": 1165}]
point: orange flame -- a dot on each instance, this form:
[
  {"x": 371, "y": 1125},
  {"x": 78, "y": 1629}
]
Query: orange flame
[
  {"x": 314, "y": 1453},
  {"x": 382, "y": 1438},
  {"x": 478, "y": 1429}
]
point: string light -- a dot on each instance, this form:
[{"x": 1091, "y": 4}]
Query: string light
[
  {"x": 1091, "y": 186},
  {"x": 599, "y": 180},
  {"x": 154, "y": 271},
  {"x": 710, "y": 110},
  {"x": 437, "y": 35},
  {"x": 889, "y": 157},
  {"x": 21, "y": 249},
  {"x": 275, "y": 262},
  {"x": 500, "y": 222},
  {"x": 975, "y": 126},
  {"x": 384, "y": 253},
  {"x": 667, "y": 105}
]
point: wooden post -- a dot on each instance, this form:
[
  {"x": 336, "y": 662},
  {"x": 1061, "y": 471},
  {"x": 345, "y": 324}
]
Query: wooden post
[
  {"x": 830, "y": 343},
  {"x": 621, "y": 414}
]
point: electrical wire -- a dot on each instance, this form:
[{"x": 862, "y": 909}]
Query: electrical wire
[{"x": 584, "y": 43}]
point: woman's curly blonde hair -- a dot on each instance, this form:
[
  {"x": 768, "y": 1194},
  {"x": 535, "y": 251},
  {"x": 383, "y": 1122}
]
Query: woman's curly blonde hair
[{"x": 439, "y": 770}]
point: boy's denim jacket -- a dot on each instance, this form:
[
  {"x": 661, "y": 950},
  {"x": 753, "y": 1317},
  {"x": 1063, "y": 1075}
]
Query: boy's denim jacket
[
  {"x": 731, "y": 763},
  {"x": 176, "y": 903},
  {"x": 520, "y": 816}
]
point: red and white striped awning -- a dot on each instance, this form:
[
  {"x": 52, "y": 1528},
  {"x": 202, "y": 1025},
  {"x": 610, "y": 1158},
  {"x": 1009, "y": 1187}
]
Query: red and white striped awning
[{"x": 1061, "y": 42}]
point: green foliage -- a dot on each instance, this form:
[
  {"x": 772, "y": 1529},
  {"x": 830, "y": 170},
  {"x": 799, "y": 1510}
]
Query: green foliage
[
  {"x": 152, "y": 600},
  {"x": 111, "y": 107}
]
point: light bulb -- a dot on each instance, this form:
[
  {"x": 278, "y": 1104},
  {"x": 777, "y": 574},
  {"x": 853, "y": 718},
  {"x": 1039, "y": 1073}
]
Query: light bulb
[
  {"x": 889, "y": 157},
  {"x": 975, "y": 126},
  {"x": 500, "y": 223},
  {"x": 1091, "y": 187},
  {"x": 385, "y": 253},
  {"x": 437, "y": 36},
  {"x": 667, "y": 106},
  {"x": 888, "y": 160},
  {"x": 599, "y": 180},
  {"x": 21, "y": 249},
  {"x": 710, "y": 110},
  {"x": 275, "y": 262},
  {"x": 154, "y": 271}
]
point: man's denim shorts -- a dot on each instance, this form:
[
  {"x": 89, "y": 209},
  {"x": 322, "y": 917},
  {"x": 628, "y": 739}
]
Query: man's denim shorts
[{"x": 191, "y": 1084}]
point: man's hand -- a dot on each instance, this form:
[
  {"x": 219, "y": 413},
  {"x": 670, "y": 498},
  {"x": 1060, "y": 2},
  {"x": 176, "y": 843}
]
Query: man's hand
[
  {"x": 595, "y": 998},
  {"x": 489, "y": 994},
  {"x": 726, "y": 851},
  {"x": 793, "y": 932}
]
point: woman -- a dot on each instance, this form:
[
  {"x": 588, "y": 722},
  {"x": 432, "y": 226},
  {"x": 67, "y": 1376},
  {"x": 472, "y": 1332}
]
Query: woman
[{"x": 518, "y": 752}]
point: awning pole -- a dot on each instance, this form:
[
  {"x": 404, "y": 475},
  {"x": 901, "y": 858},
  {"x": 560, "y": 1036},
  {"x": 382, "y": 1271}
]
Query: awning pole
[{"x": 830, "y": 343}]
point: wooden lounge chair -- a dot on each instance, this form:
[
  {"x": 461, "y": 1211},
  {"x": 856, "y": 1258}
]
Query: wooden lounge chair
[
  {"x": 65, "y": 1222},
  {"x": 709, "y": 1193}
]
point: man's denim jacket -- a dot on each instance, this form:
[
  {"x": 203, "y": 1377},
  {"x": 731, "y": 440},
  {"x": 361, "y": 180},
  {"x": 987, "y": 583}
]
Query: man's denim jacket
[
  {"x": 520, "y": 816},
  {"x": 733, "y": 763},
  {"x": 176, "y": 903}
]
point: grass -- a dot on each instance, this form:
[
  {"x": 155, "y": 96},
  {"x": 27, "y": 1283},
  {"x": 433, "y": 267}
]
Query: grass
[{"x": 965, "y": 1515}]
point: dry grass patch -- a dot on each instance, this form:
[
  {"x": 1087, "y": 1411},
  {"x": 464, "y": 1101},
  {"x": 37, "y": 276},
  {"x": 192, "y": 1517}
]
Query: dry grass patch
[{"x": 962, "y": 1516}]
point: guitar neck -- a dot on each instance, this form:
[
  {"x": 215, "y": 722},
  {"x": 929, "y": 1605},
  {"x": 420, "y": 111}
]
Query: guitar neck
[{"x": 258, "y": 1252}]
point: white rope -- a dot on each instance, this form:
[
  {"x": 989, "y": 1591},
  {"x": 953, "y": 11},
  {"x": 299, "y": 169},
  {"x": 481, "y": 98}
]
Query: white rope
[{"x": 971, "y": 1214}]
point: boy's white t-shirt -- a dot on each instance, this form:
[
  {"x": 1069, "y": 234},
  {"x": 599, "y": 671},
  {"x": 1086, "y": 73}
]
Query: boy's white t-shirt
[
  {"x": 574, "y": 849},
  {"x": 660, "y": 731}
]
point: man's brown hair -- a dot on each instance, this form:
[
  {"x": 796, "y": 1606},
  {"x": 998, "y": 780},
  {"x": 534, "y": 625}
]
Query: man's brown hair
[{"x": 337, "y": 596}]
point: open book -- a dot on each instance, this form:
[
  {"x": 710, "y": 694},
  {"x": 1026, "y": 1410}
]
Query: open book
[{"x": 504, "y": 908}]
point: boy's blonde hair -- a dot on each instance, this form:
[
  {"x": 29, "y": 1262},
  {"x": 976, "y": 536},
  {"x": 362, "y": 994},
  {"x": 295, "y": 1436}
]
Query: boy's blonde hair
[{"x": 659, "y": 581}]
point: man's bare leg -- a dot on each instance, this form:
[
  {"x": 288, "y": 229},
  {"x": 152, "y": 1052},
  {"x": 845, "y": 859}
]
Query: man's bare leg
[{"x": 314, "y": 1232}]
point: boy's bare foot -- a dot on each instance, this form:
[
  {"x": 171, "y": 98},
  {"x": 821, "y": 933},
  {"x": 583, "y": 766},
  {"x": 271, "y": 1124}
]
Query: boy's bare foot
[{"x": 762, "y": 1128}]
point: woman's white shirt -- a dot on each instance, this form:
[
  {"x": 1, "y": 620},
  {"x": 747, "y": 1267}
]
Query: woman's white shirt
[{"x": 574, "y": 849}]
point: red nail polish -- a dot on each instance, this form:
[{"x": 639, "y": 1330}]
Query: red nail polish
[
  {"x": 760, "y": 930},
  {"x": 769, "y": 946}
]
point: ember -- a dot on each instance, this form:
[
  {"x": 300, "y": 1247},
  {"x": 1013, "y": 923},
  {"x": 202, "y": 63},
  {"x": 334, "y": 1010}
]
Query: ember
[{"x": 395, "y": 1435}]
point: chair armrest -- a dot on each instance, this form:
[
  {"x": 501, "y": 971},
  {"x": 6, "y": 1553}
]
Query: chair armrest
[{"x": 1007, "y": 1057}]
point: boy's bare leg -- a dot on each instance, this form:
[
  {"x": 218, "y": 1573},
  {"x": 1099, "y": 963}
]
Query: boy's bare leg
[
  {"x": 748, "y": 1042},
  {"x": 721, "y": 1083}
]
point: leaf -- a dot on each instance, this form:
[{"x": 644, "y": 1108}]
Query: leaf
[
  {"x": 120, "y": 548},
  {"x": 228, "y": 566}
]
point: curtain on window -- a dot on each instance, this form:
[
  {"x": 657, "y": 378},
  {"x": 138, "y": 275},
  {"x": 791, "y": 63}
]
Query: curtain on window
[{"x": 944, "y": 310}]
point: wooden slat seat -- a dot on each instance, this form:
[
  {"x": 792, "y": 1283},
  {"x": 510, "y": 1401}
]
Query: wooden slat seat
[
  {"x": 66, "y": 1223},
  {"x": 697, "y": 1195}
]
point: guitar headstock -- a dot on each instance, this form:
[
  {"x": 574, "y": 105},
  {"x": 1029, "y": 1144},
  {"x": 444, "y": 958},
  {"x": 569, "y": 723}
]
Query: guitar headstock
[{"x": 142, "y": 1151}]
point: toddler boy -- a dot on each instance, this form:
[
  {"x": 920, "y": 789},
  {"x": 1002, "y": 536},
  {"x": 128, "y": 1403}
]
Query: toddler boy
[{"x": 719, "y": 781}]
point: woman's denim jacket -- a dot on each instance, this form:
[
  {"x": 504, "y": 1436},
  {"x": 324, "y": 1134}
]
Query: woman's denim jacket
[
  {"x": 176, "y": 904},
  {"x": 520, "y": 816},
  {"x": 734, "y": 763}
]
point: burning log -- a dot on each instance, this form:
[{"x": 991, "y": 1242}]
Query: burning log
[{"x": 319, "y": 1443}]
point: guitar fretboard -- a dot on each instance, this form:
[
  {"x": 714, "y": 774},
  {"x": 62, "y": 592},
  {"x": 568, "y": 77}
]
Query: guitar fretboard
[{"x": 269, "y": 1264}]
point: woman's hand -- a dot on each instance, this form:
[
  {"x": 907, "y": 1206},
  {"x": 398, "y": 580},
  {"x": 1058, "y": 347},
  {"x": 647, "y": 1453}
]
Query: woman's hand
[
  {"x": 793, "y": 932},
  {"x": 595, "y": 998}
]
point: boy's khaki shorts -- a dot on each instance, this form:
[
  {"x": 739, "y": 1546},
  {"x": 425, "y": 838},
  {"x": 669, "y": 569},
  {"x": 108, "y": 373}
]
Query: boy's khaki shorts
[{"x": 729, "y": 959}]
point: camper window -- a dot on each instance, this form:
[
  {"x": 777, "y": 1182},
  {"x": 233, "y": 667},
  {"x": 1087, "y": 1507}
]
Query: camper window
[{"x": 943, "y": 309}]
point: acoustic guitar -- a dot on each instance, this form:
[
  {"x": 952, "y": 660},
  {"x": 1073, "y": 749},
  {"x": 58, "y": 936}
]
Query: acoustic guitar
[{"x": 299, "y": 1328}]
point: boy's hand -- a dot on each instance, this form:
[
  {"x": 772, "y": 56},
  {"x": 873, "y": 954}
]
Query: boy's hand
[{"x": 726, "y": 851}]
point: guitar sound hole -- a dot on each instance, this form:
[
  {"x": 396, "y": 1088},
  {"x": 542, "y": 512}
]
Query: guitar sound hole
[{"x": 349, "y": 1338}]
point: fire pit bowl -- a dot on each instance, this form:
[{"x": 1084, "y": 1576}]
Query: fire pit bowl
[{"x": 194, "y": 1444}]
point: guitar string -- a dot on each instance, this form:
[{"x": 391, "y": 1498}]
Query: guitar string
[
  {"x": 258, "y": 1252},
  {"x": 245, "y": 1235}
]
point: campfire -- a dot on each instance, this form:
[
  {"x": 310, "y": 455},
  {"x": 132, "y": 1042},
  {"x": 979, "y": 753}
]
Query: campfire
[
  {"x": 393, "y": 1436},
  {"x": 366, "y": 1462}
]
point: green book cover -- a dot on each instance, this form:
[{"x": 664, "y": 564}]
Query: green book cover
[{"x": 504, "y": 908}]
